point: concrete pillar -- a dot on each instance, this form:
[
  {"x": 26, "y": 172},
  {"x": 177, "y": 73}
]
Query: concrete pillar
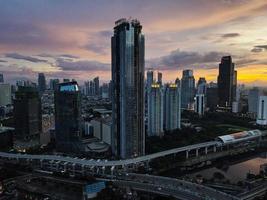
[
  {"x": 187, "y": 154},
  {"x": 206, "y": 150},
  {"x": 196, "y": 152}
]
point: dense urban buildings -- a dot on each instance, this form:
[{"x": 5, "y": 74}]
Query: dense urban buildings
[
  {"x": 53, "y": 84},
  {"x": 149, "y": 78},
  {"x": 172, "y": 107},
  {"x": 67, "y": 117},
  {"x": 155, "y": 110},
  {"x": 187, "y": 89},
  {"x": 226, "y": 82},
  {"x": 27, "y": 113},
  {"x": 128, "y": 47}
]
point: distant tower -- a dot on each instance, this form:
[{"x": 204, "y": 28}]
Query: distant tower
[
  {"x": 155, "y": 110},
  {"x": 67, "y": 117},
  {"x": 128, "y": 46},
  {"x": 226, "y": 82},
  {"x": 202, "y": 86},
  {"x": 1, "y": 78},
  {"x": 5, "y": 94},
  {"x": 253, "y": 100},
  {"x": 200, "y": 104},
  {"x": 27, "y": 113},
  {"x": 172, "y": 107},
  {"x": 160, "y": 78},
  {"x": 96, "y": 86},
  {"x": 53, "y": 84},
  {"x": 149, "y": 78},
  {"x": 262, "y": 111},
  {"x": 41, "y": 82},
  {"x": 187, "y": 89}
]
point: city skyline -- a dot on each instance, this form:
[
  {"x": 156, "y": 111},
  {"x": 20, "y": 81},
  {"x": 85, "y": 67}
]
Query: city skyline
[{"x": 72, "y": 44}]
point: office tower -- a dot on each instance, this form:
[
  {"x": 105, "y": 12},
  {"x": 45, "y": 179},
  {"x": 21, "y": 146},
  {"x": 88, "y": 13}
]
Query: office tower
[
  {"x": 172, "y": 107},
  {"x": 105, "y": 91},
  {"x": 155, "y": 110},
  {"x": 5, "y": 94},
  {"x": 226, "y": 82},
  {"x": 201, "y": 86},
  {"x": 27, "y": 113},
  {"x": 53, "y": 84},
  {"x": 41, "y": 82},
  {"x": 160, "y": 78},
  {"x": 178, "y": 82},
  {"x": 253, "y": 100},
  {"x": 128, "y": 45},
  {"x": 187, "y": 89},
  {"x": 149, "y": 78},
  {"x": 1, "y": 78},
  {"x": 262, "y": 111},
  {"x": 67, "y": 117},
  {"x": 212, "y": 96},
  {"x": 96, "y": 86},
  {"x": 200, "y": 104}
]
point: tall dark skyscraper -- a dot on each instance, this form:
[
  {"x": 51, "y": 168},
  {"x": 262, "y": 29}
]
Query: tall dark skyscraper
[
  {"x": 67, "y": 117},
  {"x": 96, "y": 85},
  {"x": 149, "y": 78},
  {"x": 128, "y": 45},
  {"x": 1, "y": 78},
  {"x": 226, "y": 82},
  {"x": 187, "y": 89},
  {"x": 27, "y": 113},
  {"x": 160, "y": 78},
  {"x": 41, "y": 82}
]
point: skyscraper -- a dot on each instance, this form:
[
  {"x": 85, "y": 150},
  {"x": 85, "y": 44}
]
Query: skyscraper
[
  {"x": 226, "y": 82},
  {"x": 1, "y": 78},
  {"x": 5, "y": 94},
  {"x": 172, "y": 107},
  {"x": 67, "y": 117},
  {"x": 53, "y": 84},
  {"x": 262, "y": 111},
  {"x": 187, "y": 89},
  {"x": 200, "y": 104},
  {"x": 202, "y": 86},
  {"x": 128, "y": 45},
  {"x": 96, "y": 86},
  {"x": 149, "y": 78},
  {"x": 160, "y": 78},
  {"x": 27, "y": 113},
  {"x": 253, "y": 100},
  {"x": 155, "y": 110},
  {"x": 41, "y": 82}
]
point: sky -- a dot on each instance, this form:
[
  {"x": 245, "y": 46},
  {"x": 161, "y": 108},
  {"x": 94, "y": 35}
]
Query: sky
[{"x": 71, "y": 39}]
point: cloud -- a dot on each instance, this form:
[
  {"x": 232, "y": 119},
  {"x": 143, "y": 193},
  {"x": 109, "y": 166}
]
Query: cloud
[
  {"x": 69, "y": 56},
  {"x": 183, "y": 59},
  {"x": 82, "y": 65},
  {"x": 230, "y": 35},
  {"x": 3, "y": 61},
  {"x": 22, "y": 57},
  {"x": 256, "y": 50},
  {"x": 262, "y": 47}
]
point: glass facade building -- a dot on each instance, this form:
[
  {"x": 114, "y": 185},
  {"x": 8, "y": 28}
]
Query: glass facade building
[
  {"x": 155, "y": 110},
  {"x": 172, "y": 107},
  {"x": 67, "y": 117},
  {"x": 128, "y": 136},
  {"x": 187, "y": 89}
]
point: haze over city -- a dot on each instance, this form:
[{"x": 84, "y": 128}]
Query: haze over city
[{"x": 65, "y": 39}]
